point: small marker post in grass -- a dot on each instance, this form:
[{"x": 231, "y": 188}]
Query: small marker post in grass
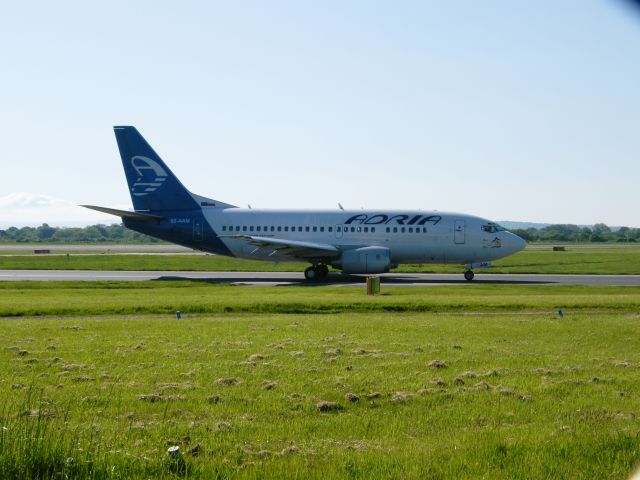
[
  {"x": 176, "y": 463},
  {"x": 373, "y": 285}
]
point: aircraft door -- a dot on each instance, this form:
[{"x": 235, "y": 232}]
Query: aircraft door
[
  {"x": 338, "y": 231},
  {"x": 458, "y": 232},
  {"x": 197, "y": 229}
]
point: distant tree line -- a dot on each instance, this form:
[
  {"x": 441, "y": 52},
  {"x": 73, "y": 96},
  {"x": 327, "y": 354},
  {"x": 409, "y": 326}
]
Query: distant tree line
[
  {"x": 92, "y": 234},
  {"x": 574, "y": 233},
  {"x": 119, "y": 234}
]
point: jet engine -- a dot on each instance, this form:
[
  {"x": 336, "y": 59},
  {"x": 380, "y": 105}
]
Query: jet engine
[{"x": 366, "y": 260}]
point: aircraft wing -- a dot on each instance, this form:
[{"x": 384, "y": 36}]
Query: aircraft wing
[{"x": 293, "y": 248}]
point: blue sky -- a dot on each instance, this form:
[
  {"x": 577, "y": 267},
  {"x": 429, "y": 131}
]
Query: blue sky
[{"x": 508, "y": 110}]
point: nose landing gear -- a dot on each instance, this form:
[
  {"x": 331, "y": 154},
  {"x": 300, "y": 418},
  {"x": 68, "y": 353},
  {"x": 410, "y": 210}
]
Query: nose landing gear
[
  {"x": 468, "y": 275},
  {"x": 316, "y": 272}
]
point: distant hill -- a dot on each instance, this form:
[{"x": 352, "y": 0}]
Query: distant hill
[{"x": 512, "y": 225}]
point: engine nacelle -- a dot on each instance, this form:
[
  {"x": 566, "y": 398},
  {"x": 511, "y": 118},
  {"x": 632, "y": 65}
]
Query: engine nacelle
[{"x": 366, "y": 260}]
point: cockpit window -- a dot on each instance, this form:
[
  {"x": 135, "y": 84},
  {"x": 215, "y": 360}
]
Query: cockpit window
[{"x": 493, "y": 228}]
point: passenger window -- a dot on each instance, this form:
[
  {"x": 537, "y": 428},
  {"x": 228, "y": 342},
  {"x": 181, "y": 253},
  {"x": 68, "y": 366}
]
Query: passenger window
[
  {"x": 373, "y": 229},
  {"x": 299, "y": 229},
  {"x": 410, "y": 229},
  {"x": 251, "y": 228},
  {"x": 395, "y": 229},
  {"x": 306, "y": 229},
  {"x": 366, "y": 229},
  {"x": 315, "y": 229},
  {"x": 353, "y": 229},
  {"x": 322, "y": 229},
  {"x": 224, "y": 228},
  {"x": 286, "y": 229},
  {"x": 424, "y": 229},
  {"x": 358, "y": 229},
  {"x": 388, "y": 229},
  {"x": 273, "y": 228},
  {"x": 279, "y": 229},
  {"x": 331, "y": 229},
  {"x": 402, "y": 230},
  {"x": 244, "y": 228},
  {"x": 338, "y": 229},
  {"x": 238, "y": 228},
  {"x": 258, "y": 228}
]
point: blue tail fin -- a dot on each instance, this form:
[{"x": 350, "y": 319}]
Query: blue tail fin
[{"x": 152, "y": 185}]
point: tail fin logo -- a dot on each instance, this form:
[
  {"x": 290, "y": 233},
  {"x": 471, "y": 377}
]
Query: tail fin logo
[{"x": 151, "y": 176}]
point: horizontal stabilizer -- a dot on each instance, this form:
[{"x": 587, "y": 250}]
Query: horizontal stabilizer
[{"x": 140, "y": 217}]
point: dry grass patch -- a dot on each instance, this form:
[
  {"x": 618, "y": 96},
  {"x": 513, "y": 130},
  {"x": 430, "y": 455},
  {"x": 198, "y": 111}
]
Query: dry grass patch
[
  {"x": 157, "y": 397},
  {"x": 269, "y": 384},
  {"x": 326, "y": 406},
  {"x": 150, "y": 397},
  {"x": 223, "y": 426},
  {"x": 482, "y": 386},
  {"x": 403, "y": 396},
  {"x": 229, "y": 381},
  {"x": 437, "y": 364}
]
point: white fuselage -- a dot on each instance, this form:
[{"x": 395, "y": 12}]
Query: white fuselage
[{"x": 411, "y": 236}]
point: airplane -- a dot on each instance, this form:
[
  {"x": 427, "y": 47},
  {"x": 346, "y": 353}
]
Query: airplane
[{"x": 353, "y": 241}]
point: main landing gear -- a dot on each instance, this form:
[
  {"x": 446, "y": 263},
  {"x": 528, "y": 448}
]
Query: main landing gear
[
  {"x": 468, "y": 275},
  {"x": 316, "y": 272}
]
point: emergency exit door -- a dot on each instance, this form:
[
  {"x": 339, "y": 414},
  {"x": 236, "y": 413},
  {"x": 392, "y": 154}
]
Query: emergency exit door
[{"x": 458, "y": 232}]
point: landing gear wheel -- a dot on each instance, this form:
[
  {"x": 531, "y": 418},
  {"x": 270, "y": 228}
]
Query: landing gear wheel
[
  {"x": 311, "y": 273},
  {"x": 322, "y": 270},
  {"x": 468, "y": 275}
]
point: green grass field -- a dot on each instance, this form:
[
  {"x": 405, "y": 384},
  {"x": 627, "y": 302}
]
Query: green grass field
[
  {"x": 572, "y": 261},
  {"x": 477, "y": 381},
  {"x": 166, "y": 297}
]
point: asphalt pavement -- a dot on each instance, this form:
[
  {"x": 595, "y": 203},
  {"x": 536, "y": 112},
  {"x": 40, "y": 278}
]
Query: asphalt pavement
[{"x": 297, "y": 278}]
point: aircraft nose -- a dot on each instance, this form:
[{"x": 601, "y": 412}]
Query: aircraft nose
[{"x": 516, "y": 243}]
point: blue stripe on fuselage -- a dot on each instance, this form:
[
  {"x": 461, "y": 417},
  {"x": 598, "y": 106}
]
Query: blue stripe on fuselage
[{"x": 188, "y": 228}]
